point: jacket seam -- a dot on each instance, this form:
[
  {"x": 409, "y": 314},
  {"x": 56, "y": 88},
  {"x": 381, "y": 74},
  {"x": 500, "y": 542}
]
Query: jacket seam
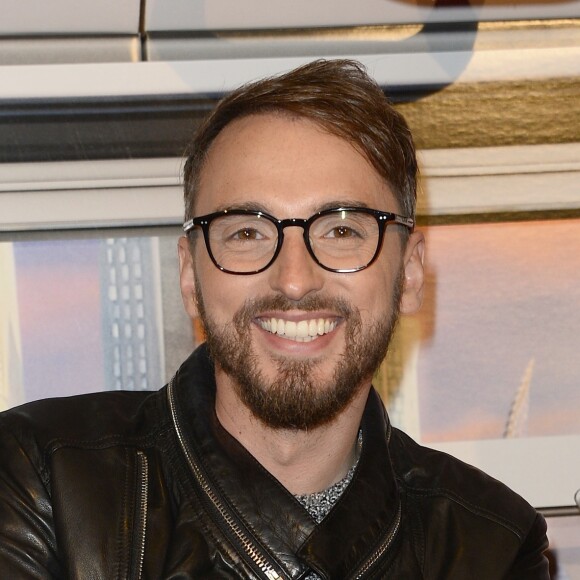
[
  {"x": 471, "y": 507},
  {"x": 122, "y": 569},
  {"x": 41, "y": 470},
  {"x": 105, "y": 442}
]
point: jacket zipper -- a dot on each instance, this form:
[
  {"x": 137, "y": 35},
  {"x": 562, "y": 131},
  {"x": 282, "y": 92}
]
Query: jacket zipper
[
  {"x": 143, "y": 478},
  {"x": 249, "y": 547},
  {"x": 382, "y": 548}
]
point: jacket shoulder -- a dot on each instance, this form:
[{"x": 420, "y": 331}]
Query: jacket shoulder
[
  {"x": 494, "y": 528},
  {"x": 429, "y": 473},
  {"x": 83, "y": 419}
]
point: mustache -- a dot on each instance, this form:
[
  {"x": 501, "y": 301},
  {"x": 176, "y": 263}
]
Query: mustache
[{"x": 254, "y": 306}]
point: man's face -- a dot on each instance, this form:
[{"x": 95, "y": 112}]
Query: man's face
[{"x": 290, "y": 168}]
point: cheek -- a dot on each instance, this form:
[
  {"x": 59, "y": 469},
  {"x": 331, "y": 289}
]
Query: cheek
[
  {"x": 374, "y": 294},
  {"x": 223, "y": 294},
  {"x": 209, "y": 280}
]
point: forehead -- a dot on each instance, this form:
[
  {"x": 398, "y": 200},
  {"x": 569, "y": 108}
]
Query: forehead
[{"x": 290, "y": 166}]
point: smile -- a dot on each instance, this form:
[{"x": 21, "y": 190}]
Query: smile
[{"x": 302, "y": 331}]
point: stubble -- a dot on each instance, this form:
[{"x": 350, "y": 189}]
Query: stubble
[{"x": 299, "y": 398}]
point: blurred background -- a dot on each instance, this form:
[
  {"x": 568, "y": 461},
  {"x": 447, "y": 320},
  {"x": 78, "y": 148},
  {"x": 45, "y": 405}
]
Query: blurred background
[{"x": 97, "y": 102}]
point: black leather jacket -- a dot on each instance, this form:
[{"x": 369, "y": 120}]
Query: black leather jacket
[{"x": 149, "y": 485}]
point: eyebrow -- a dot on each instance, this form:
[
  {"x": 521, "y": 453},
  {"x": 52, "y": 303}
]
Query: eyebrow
[
  {"x": 342, "y": 203},
  {"x": 247, "y": 205}
]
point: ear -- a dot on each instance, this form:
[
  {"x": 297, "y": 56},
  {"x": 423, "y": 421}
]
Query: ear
[
  {"x": 412, "y": 295},
  {"x": 186, "y": 276}
]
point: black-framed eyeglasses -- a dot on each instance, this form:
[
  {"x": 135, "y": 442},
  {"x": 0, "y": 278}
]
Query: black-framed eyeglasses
[{"x": 343, "y": 239}]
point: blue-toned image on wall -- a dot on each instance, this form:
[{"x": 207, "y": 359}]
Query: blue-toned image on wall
[{"x": 80, "y": 315}]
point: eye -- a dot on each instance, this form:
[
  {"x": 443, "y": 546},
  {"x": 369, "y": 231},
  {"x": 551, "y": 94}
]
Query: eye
[
  {"x": 342, "y": 232},
  {"x": 343, "y": 229},
  {"x": 241, "y": 229},
  {"x": 247, "y": 234}
]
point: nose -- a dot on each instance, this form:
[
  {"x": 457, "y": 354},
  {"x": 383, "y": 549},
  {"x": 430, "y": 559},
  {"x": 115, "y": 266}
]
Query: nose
[{"x": 294, "y": 273}]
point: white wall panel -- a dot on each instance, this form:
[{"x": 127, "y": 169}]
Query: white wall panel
[
  {"x": 251, "y": 14},
  {"x": 58, "y": 50},
  {"x": 217, "y": 76},
  {"x": 38, "y": 17},
  {"x": 64, "y": 195}
]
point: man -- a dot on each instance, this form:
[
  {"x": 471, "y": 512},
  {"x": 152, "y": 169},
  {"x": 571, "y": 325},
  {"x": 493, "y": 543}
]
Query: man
[{"x": 269, "y": 455}]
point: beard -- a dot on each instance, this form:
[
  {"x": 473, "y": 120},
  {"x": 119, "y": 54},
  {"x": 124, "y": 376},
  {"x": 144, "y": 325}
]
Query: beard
[{"x": 299, "y": 398}]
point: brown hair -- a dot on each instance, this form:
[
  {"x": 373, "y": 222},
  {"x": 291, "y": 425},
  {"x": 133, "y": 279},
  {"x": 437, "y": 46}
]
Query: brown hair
[{"x": 341, "y": 98}]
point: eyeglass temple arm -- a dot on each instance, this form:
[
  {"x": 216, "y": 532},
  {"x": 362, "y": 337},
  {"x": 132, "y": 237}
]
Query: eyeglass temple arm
[{"x": 404, "y": 221}]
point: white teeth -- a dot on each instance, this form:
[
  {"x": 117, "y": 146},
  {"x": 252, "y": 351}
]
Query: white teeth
[
  {"x": 302, "y": 331},
  {"x": 290, "y": 329},
  {"x": 280, "y": 327},
  {"x": 312, "y": 327}
]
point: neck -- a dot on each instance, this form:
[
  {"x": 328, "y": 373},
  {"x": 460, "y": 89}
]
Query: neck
[{"x": 303, "y": 461}]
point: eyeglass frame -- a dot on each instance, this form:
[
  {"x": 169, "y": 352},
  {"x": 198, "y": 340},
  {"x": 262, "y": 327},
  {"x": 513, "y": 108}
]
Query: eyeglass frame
[{"x": 383, "y": 218}]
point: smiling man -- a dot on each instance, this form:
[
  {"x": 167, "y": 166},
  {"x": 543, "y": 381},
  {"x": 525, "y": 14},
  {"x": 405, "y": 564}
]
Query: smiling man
[{"x": 269, "y": 454}]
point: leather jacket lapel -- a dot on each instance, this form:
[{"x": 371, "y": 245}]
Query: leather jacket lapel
[{"x": 366, "y": 516}]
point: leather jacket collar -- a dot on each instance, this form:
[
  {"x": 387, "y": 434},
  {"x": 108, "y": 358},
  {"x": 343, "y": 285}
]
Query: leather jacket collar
[{"x": 363, "y": 522}]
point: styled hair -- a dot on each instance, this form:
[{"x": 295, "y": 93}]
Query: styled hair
[{"x": 337, "y": 95}]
